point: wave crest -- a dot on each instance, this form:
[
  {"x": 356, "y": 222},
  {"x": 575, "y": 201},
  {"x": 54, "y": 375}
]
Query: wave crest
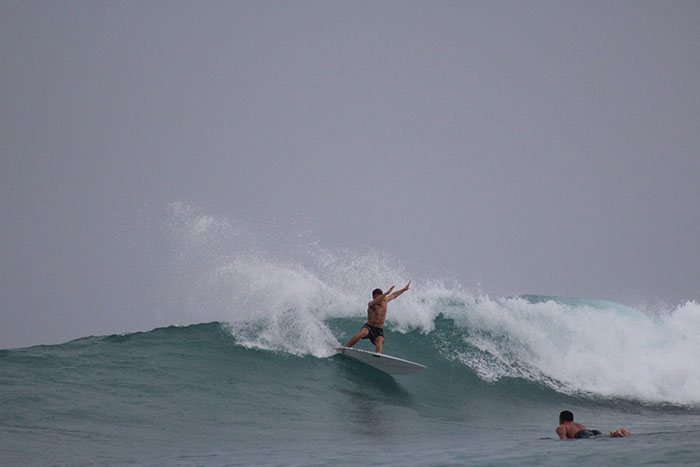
[{"x": 278, "y": 289}]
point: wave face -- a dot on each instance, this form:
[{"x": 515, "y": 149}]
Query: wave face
[{"x": 257, "y": 393}]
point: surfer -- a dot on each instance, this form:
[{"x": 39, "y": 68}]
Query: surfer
[
  {"x": 373, "y": 329},
  {"x": 568, "y": 429}
]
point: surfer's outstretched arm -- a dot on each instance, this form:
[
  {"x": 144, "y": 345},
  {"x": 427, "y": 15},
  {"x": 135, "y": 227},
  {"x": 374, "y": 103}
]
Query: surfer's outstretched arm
[{"x": 398, "y": 292}]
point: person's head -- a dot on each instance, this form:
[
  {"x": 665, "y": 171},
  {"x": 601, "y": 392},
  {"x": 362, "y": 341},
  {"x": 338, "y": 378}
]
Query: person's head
[
  {"x": 566, "y": 416},
  {"x": 376, "y": 293}
]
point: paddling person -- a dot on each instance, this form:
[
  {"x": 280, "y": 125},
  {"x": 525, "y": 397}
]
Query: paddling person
[
  {"x": 568, "y": 429},
  {"x": 373, "y": 329}
]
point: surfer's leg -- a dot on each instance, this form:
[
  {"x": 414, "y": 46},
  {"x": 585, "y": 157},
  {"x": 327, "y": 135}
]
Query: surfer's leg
[
  {"x": 355, "y": 339},
  {"x": 378, "y": 342}
]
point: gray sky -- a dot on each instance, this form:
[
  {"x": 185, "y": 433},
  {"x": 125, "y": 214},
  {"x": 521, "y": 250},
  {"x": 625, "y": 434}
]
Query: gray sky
[{"x": 521, "y": 147}]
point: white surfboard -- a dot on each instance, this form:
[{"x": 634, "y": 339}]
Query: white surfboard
[{"x": 383, "y": 362}]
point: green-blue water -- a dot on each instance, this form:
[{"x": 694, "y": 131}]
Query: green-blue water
[{"x": 238, "y": 394}]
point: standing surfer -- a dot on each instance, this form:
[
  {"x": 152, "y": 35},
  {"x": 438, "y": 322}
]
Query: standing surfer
[{"x": 373, "y": 329}]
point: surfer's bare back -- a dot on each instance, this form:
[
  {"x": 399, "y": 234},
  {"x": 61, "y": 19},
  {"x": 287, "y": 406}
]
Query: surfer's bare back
[{"x": 373, "y": 329}]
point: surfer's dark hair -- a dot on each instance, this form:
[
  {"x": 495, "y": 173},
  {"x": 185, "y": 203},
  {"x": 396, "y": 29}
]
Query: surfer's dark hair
[
  {"x": 566, "y": 416},
  {"x": 376, "y": 292}
]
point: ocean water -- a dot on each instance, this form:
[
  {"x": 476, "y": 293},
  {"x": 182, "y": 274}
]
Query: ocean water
[
  {"x": 244, "y": 372},
  {"x": 499, "y": 372}
]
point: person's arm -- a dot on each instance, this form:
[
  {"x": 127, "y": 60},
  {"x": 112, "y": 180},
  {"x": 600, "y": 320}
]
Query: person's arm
[
  {"x": 398, "y": 292},
  {"x": 561, "y": 431},
  {"x": 379, "y": 298}
]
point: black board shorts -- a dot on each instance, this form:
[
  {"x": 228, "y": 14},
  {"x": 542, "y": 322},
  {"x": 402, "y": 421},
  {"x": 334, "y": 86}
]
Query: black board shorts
[
  {"x": 374, "y": 332},
  {"x": 582, "y": 434}
]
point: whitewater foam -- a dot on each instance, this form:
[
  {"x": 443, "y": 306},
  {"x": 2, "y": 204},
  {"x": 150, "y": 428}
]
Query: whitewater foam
[
  {"x": 575, "y": 347},
  {"x": 282, "y": 299}
]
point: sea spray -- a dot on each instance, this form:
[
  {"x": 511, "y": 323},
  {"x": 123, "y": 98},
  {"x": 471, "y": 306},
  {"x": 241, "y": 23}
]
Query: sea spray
[{"x": 274, "y": 287}]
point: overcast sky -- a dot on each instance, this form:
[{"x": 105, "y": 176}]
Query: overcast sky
[{"x": 540, "y": 147}]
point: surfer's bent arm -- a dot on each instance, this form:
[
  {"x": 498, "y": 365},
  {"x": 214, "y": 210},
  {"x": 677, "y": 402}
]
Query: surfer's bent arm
[{"x": 380, "y": 298}]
